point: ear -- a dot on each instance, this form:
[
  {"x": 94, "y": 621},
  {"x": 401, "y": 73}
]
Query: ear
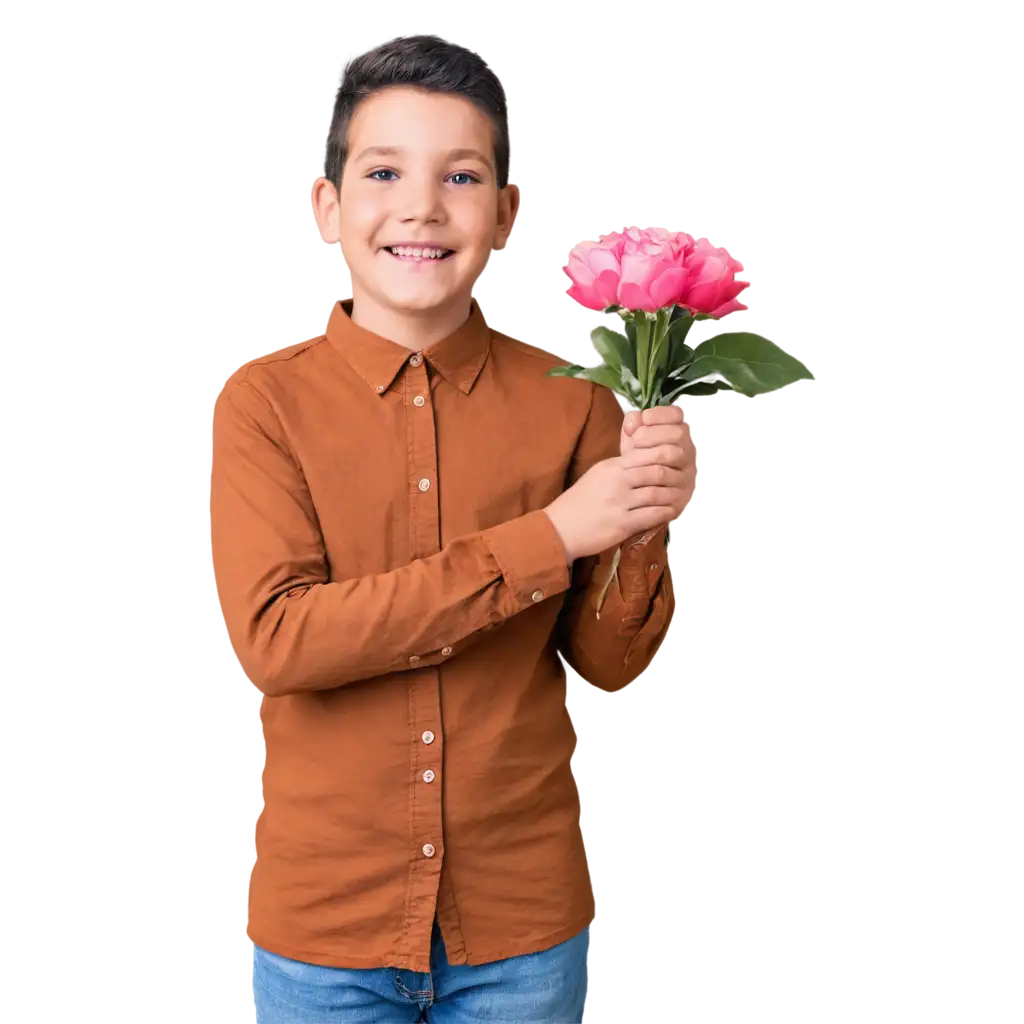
[
  {"x": 508, "y": 207},
  {"x": 326, "y": 209}
]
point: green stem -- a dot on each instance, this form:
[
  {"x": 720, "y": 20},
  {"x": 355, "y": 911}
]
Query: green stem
[
  {"x": 643, "y": 328},
  {"x": 659, "y": 350},
  {"x": 651, "y": 351}
]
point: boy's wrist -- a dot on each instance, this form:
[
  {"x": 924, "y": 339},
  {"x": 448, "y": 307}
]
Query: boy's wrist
[{"x": 570, "y": 557}]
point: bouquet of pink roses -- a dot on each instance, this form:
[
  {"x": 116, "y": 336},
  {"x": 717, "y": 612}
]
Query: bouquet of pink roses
[
  {"x": 660, "y": 293},
  {"x": 659, "y": 282}
]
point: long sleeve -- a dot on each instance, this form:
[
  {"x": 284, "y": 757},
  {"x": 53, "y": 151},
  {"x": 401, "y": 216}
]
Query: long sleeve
[
  {"x": 611, "y": 651},
  {"x": 292, "y": 628}
]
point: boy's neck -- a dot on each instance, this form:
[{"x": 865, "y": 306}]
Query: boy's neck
[{"x": 415, "y": 329}]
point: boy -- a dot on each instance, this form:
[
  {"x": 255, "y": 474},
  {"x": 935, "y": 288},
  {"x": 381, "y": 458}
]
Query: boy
[{"x": 410, "y": 522}]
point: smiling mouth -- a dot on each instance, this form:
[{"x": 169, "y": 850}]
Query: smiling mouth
[{"x": 420, "y": 254}]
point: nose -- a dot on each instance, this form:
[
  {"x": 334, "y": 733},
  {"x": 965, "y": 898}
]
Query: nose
[{"x": 422, "y": 199}]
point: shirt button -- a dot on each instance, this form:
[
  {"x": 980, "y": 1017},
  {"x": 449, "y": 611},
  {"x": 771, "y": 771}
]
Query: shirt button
[
  {"x": 380, "y": 387},
  {"x": 413, "y": 658},
  {"x": 416, "y": 360},
  {"x": 418, "y": 400},
  {"x": 653, "y": 566},
  {"x": 428, "y": 850},
  {"x": 428, "y": 776},
  {"x": 446, "y": 651},
  {"x": 428, "y": 737},
  {"x": 538, "y": 595},
  {"x": 424, "y": 484}
]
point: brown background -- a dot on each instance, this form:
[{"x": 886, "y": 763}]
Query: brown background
[{"x": 833, "y": 740}]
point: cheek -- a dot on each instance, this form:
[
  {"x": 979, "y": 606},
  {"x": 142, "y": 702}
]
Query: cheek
[
  {"x": 360, "y": 212},
  {"x": 476, "y": 219}
]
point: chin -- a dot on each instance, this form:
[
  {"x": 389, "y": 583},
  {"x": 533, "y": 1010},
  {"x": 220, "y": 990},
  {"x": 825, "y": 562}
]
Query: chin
[{"x": 413, "y": 299}]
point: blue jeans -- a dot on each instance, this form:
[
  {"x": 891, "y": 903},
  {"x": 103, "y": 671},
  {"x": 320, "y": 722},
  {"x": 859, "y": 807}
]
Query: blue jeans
[{"x": 548, "y": 987}]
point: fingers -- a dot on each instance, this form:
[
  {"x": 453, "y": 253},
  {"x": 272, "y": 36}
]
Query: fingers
[
  {"x": 660, "y": 414},
  {"x": 631, "y": 423},
  {"x": 656, "y": 474},
  {"x": 656, "y": 496},
  {"x": 649, "y": 435},
  {"x": 663, "y": 455}
]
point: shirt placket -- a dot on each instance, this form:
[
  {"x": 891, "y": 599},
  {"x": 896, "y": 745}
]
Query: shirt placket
[{"x": 424, "y": 684}]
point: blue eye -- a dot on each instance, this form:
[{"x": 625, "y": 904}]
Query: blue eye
[{"x": 381, "y": 175}]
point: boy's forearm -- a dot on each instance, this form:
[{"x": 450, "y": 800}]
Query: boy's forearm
[
  {"x": 327, "y": 634},
  {"x": 293, "y": 629}
]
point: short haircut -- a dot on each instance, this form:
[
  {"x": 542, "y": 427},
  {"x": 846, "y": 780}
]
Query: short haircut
[{"x": 417, "y": 60}]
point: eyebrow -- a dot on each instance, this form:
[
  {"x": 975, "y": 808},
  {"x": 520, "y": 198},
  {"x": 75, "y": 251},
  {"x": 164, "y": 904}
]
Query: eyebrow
[
  {"x": 452, "y": 154},
  {"x": 471, "y": 155}
]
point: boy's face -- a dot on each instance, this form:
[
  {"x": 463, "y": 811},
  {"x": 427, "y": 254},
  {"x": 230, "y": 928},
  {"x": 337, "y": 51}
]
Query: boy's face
[{"x": 422, "y": 193}]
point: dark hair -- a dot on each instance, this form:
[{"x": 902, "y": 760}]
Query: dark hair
[{"x": 426, "y": 62}]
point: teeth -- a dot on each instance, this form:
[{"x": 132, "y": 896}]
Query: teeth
[{"x": 430, "y": 254}]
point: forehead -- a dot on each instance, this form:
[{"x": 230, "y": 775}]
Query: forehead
[{"x": 418, "y": 122}]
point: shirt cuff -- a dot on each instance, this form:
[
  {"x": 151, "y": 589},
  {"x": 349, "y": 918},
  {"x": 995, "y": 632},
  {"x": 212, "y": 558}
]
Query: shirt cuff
[{"x": 531, "y": 557}]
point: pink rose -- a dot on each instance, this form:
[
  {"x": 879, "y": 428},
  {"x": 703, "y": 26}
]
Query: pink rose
[
  {"x": 710, "y": 286},
  {"x": 593, "y": 269},
  {"x": 651, "y": 268},
  {"x": 636, "y": 268},
  {"x": 679, "y": 244},
  {"x": 651, "y": 276}
]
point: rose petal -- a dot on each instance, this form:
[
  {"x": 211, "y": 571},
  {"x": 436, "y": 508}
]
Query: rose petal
[
  {"x": 732, "y": 306},
  {"x": 606, "y": 287},
  {"x": 579, "y": 272},
  {"x": 601, "y": 259},
  {"x": 668, "y": 285},
  {"x": 638, "y": 271}
]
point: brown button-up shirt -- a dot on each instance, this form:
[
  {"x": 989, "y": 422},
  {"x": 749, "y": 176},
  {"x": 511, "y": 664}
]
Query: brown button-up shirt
[{"x": 391, "y": 583}]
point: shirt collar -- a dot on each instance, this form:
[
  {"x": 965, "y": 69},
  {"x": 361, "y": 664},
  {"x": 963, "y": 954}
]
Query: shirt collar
[{"x": 458, "y": 357}]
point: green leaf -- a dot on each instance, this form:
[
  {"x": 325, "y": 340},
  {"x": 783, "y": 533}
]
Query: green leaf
[
  {"x": 680, "y": 350},
  {"x": 751, "y": 364},
  {"x": 735, "y": 373},
  {"x": 669, "y": 397},
  {"x": 602, "y": 342},
  {"x": 631, "y": 386},
  {"x": 564, "y": 371},
  {"x": 605, "y": 376},
  {"x": 705, "y": 387},
  {"x": 659, "y": 376},
  {"x": 679, "y": 319},
  {"x": 699, "y": 388},
  {"x": 612, "y": 343}
]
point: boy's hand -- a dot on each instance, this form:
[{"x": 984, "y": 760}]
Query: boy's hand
[
  {"x": 658, "y": 437},
  {"x": 608, "y": 505},
  {"x": 648, "y": 485}
]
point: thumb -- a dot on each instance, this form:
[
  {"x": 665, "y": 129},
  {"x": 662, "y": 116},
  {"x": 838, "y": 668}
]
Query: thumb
[{"x": 631, "y": 422}]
